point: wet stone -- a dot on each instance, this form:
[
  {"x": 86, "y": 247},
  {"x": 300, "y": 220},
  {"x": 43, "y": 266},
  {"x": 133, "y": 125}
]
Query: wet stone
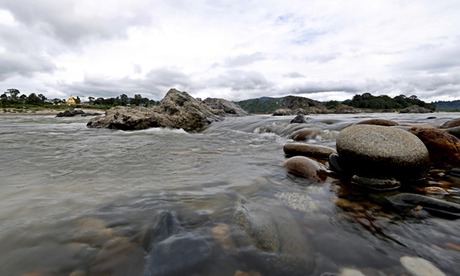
[
  {"x": 308, "y": 150},
  {"x": 378, "y": 122},
  {"x": 420, "y": 267},
  {"x": 178, "y": 255},
  {"x": 378, "y": 184},
  {"x": 380, "y": 151},
  {"x": 432, "y": 205},
  {"x": 451, "y": 123},
  {"x": 306, "y": 167},
  {"x": 299, "y": 119},
  {"x": 444, "y": 148},
  {"x": 281, "y": 245},
  {"x": 304, "y": 134}
]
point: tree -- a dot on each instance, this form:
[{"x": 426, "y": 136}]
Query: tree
[
  {"x": 136, "y": 100},
  {"x": 124, "y": 100},
  {"x": 42, "y": 98},
  {"x": 77, "y": 100},
  {"x": 13, "y": 92},
  {"x": 33, "y": 99}
]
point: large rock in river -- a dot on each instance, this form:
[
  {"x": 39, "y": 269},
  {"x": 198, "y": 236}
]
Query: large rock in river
[
  {"x": 225, "y": 108},
  {"x": 444, "y": 148},
  {"x": 380, "y": 151},
  {"x": 176, "y": 110}
]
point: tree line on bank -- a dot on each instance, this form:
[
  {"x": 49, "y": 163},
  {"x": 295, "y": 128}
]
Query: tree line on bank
[
  {"x": 365, "y": 101},
  {"x": 12, "y": 98}
]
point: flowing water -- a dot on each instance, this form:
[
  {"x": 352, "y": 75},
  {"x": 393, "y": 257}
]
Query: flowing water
[{"x": 84, "y": 201}]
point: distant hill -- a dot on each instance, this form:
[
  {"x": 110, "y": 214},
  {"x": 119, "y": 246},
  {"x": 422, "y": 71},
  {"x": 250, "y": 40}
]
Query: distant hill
[
  {"x": 366, "y": 101},
  {"x": 447, "y": 105},
  {"x": 264, "y": 105}
]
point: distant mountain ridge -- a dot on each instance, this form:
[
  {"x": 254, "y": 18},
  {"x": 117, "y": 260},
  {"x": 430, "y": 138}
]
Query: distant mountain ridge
[
  {"x": 359, "y": 103},
  {"x": 447, "y": 105}
]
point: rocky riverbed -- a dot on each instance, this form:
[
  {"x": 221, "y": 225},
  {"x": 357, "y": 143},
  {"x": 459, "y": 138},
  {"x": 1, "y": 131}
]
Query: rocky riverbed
[{"x": 258, "y": 195}]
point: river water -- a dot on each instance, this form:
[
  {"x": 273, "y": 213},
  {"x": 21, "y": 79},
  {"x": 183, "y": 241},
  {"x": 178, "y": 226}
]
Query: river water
[{"x": 84, "y": 201}]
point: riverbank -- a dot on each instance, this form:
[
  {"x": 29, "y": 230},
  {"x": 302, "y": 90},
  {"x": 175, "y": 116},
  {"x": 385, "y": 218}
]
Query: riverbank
[{"x": 52, "y": 111}]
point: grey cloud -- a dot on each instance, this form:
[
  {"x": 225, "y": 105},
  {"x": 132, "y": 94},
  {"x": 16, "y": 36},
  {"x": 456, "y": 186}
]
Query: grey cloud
[
  {"x": 317, "y": 87},
  {"x": 155, "y": 84},
  {"x": 242, "y": 60},
  {"x": 433, "y": 58},
  {"x": 165, "y": 77},
  {"x": 23, "y": 65},
  {"x": 294, "y": 75},
  {"x": 59, "y": 19},
  {"x": 238, "y": 80}
]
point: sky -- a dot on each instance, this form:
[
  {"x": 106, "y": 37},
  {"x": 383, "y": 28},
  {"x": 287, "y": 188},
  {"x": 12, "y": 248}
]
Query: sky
[{"x": 235, "y": 49}]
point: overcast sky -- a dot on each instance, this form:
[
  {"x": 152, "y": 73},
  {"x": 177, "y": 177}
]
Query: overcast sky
[{"x": 235, "y": 49}]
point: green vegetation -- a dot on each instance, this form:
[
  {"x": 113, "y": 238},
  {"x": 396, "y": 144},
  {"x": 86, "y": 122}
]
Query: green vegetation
[
  {"x": 13, "y": 99},
  {"x": 368, "y": 101},
  {"x": 262, "y": 105},
  {"x": 451, "y": 106}
]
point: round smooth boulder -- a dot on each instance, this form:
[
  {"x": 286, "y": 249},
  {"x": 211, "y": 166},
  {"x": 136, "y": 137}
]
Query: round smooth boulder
[
  {"x": 444, "y": 148},
  {"x": 306, "y": 168},
  {"x": 378, "y": 122},
  {"x": 451, "y": 123},
  {"x": 369, "y": 150},
  {"x": 304, "y": 134}
]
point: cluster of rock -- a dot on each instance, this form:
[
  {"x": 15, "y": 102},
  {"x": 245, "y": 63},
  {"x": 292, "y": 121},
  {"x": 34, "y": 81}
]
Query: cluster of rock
[
  {"x": 293, "y": 105},
  {"x": 76, "y": 112},
  {"x": 381, "y": 155},
  {"x": 415, "y": 109},
  {"x": 176, "y": 110}
]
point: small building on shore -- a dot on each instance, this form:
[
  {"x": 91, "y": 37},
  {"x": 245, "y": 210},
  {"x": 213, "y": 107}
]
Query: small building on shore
[{"x": 71, "y": 101}]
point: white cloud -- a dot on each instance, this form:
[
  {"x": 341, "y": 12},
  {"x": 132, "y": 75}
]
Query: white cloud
[{"x": 231, "y": 49}]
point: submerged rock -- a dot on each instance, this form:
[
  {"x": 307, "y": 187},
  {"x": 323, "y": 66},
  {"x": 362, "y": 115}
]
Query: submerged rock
[
  {"x": 177, "y": 255},
  {"x": 379, "y": 184},
  {"x": 306, "y": 167},
  {"x": 282, "y": 247},
  {"x": 304, "y": 134},
  {"x": 172, "y": 250},
  {"x": 309, "y": 150},
  {"x": 430, "y": 204},
  {"x": 420, "y": 267},
  {"x": 377, "y": 151}
]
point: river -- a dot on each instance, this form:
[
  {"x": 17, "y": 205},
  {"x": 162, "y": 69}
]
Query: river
[{"x": 78, "y": 200}]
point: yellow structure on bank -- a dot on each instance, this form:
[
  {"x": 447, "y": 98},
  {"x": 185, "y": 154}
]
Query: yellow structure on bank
[{"x": 71, "y": 101}]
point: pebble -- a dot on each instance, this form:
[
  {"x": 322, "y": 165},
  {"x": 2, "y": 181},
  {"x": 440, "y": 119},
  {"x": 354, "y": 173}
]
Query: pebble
[
  {"x": 350, "y": 272},
  {"x": 420, "y": 267},
  {"x": 221, "y": 232}
]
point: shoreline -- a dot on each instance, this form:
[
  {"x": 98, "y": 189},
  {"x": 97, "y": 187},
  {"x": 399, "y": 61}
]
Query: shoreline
[{"x": 45, "y": 112}]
